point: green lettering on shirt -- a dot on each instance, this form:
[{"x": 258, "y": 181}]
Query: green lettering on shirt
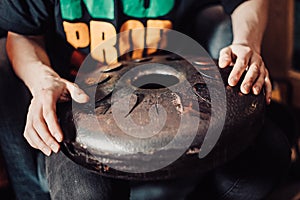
[
  {"x": 100, "y": 8},
  {"x": 157, "y": 8},
  {"x": 71, "y": 9}
]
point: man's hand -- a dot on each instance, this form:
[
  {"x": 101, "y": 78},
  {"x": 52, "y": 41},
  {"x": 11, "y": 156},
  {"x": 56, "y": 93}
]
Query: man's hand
[
  {"x": 243, "y": 58},
  {"x": 32, "y": 65},
  {"x": 42, "y": 130}
]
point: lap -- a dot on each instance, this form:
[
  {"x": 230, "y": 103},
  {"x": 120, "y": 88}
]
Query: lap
[
  {"x": 250, "y": 176},
  {"x": 68, "y": 180},
  {"x": 255, "y": 173}
]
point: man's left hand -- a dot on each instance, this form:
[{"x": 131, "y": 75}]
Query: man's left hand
[{"x": 244, "y": 58}]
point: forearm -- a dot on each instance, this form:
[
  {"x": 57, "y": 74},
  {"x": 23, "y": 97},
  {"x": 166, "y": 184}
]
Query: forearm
[
  {"x": 248, "y": 23},
  {"x": 30, "y": 61}
]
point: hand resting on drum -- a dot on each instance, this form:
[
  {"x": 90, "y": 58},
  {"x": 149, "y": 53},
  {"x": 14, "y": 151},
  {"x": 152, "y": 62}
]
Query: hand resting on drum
[
  {"x": 248, "y": 25},
  {"x": 42, "y": 130},
  {"x": 242, "y": 57}
]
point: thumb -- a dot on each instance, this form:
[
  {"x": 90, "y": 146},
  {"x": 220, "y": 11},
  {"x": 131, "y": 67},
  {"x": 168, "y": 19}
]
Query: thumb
[
  {"x": 225, "y": 58},
  {"x": 76, "y": 93}
]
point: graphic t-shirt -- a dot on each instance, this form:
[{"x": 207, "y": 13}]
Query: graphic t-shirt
[{"x": 82, "y": 25}]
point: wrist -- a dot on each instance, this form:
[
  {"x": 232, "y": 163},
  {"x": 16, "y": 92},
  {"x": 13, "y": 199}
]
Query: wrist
[
  {"x": 253, "y": 46},
  {"x": 40, "y": 78}
]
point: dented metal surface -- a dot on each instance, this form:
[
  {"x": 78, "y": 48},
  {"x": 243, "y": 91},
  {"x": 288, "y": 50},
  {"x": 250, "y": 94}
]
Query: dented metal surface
[{"x": 87, "y": 146}]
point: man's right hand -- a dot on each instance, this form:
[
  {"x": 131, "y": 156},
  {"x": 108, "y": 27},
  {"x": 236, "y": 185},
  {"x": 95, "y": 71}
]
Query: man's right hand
[
  {"x": 42, "y": 130},
  {"x": 32, "y": 65}
]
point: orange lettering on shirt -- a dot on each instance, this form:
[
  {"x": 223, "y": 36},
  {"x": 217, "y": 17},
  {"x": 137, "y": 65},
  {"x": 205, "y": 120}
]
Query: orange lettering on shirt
[
  {"x": 137, "y": 35},
  {"x": 100, "y": 50},
  {"x": 154, "y": 34},
  {"x": 77, "y": 34}
]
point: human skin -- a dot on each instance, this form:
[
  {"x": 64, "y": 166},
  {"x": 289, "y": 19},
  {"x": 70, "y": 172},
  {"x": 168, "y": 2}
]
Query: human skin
[
  {"x": 248, "y": 24},
  {"x": 31, "y": 63}
]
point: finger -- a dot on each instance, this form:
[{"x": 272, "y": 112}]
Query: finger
[
  {"x": 225, "y": 57},
  {"x": 49, "y": 114},
  {"x": 41, "y": 128},
  {"x": 76, "y": 93},
  {"x": 239, "y": 67},
  {"x": 28, "y": 139},
  {"x": 28, "y": 126},
  {"x": 268, "y": 86},
  {"x": 35, "y": 141},
  {"x": 251, "y": 76},
  {"x": 258, "y": 85}
]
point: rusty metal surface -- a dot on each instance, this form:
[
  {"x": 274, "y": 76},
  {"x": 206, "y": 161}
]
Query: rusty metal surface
[{"x": 86, "y": 147}]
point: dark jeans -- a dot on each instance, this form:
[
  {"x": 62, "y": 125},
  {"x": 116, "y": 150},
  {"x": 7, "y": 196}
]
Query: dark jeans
[
  {"x": 68, "y": 180},
  {"x": 251, "y": 176},
  {"x": 20, "y": 159}
]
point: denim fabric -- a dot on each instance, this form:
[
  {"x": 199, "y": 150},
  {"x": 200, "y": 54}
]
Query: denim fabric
[
  {"x": 67, "y": 181},
  {"x": 20, "y": 158},
  {"x": 254, "y": 174},
  {"x": 177, "y": 189}
]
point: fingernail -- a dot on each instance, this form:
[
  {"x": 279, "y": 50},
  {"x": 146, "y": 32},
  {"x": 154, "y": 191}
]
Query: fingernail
[
  {"x": 269, "y": 100},
  {"x": 54, "y": 147},
  {"x": 232, "y": 81},
  {"x": 58, "y": 137},
  {"x": 84, "y": 97},
  {"x": 46, "y": 151},
  {"x": 246, "y": 86},
  {"x": 256, "y": 90},
  {"x": 223, "y": 63}
]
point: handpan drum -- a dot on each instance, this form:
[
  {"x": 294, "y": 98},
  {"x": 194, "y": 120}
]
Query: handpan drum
[{"x": 157, "y": 105}]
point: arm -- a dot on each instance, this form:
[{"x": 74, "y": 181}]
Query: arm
[
  {"x": 31, "y": 63},
  {"x": 248, "y": 24}
]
